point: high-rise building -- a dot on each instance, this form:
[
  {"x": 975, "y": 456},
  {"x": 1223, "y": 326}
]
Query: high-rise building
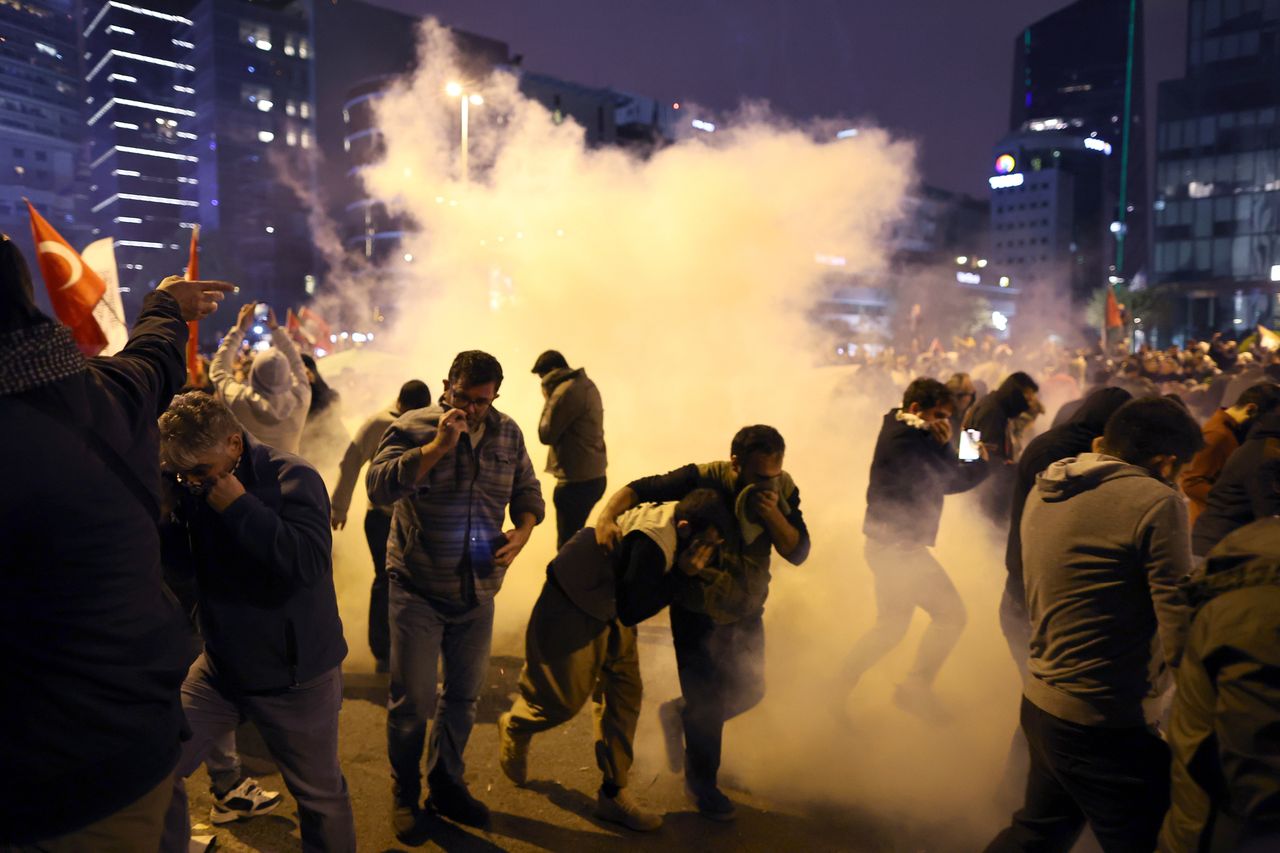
[
  {"x": 40, "y": 120},
  {"x": 1068, "y": 182},
  {"x": 1217, "y": 199},
  {"x": 142, "y": 177},
  {"x": 254, "y": 132}
]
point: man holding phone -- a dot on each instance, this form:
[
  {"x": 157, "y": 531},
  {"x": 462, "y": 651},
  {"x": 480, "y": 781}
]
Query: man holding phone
[
  {"x": 913, "y": 468},
  {"x": 452, "y": 471}
]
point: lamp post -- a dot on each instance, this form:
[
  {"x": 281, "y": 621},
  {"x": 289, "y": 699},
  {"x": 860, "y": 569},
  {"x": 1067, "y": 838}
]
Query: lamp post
[{"x": 466, "y": 100}]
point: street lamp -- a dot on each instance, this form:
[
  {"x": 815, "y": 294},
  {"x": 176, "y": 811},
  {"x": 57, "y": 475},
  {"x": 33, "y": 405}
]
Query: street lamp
[{"x": 454, "y": 89}]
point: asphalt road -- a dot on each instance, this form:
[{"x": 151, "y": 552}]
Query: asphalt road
[{"x": 554, "y": 811}]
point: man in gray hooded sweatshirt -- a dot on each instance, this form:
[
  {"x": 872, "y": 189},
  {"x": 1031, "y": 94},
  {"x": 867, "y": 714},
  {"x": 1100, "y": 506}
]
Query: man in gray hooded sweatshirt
[
  {"x": 1104, "y": 546},
  {"x": 272, "y": 407}
]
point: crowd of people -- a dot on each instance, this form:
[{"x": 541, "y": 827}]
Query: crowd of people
[{"x": 195, "y": 587}]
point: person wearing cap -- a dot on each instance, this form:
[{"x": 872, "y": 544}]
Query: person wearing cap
[
  {"x": 273, "y": 402},
  {"x": 572, "y": 425},
  {"x": 94, "y": 646}
]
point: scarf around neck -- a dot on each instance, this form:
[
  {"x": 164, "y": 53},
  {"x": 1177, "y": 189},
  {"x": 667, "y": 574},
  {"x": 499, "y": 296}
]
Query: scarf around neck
[{"x": 38, "y": 355}]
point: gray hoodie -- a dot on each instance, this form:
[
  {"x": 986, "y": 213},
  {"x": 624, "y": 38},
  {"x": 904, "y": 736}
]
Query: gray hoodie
[
  {"x": 273, "y": 406},
  {"x": 573, "y": 425},
  {"x": 1105, "y": 545}
]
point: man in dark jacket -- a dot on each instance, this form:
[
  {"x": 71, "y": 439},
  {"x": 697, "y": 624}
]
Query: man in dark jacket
[
  {"x": 251, "y": 523},
  {"x": 1247, "y": 489},
  {"x": 581, "y": 640},
  {"x": 998, "y": 417},
  {"x": 93, "y": 646},
  {"x": 717, "y": 618},
  {"x": 453, "y": 471},
  {"x": 912, "y": 469},
  {"x": 1226, "y": 712},
  {"x": 572, "y": 425}
]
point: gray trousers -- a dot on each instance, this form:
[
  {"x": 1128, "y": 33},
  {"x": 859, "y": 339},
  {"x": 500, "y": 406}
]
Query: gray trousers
[
  {"x": 420, "y": 636},
  {"x": 300, "y": 728}
]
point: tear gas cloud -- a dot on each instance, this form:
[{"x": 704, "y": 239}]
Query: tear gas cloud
[{"x": 682, "y": 283}]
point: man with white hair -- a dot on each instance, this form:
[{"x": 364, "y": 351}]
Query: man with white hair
[
  {"x": 251, "y": 523},
  {"x": 273, "y": 404}
]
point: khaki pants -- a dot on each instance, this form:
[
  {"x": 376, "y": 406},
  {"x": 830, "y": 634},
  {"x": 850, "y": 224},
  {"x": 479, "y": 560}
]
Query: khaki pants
[
  {"x": 136, "y": 827},
  {"x": 569, "y": 658}
]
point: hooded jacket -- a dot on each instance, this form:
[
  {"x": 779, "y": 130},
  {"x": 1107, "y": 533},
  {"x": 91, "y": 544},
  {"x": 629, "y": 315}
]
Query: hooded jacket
[
  {"x": 1102, "y": 569},
  {"x": 1226, "y": 713},
  {"x": 996, "y": 417},
  {"x": 1071, "y": 438},
  {"x": 1221, "y": 438},
  {"x": 1247, "y": 489},
  {"x": 911, "y": 473},
  {"x": 93, "y": 648},
  {"x": 273, "y": 405},
  {"x": 572, "y": 425}
]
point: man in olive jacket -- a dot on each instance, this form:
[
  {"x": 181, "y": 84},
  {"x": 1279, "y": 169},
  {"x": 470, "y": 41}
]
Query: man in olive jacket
[
  {"x": 1226, "y": 713},
  {"x": 572, "y": 425}
]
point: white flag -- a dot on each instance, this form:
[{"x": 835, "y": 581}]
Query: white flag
[{"x": 100, "y": 256}]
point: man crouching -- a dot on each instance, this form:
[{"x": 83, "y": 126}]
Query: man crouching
[
  {"x": 252, "y": 525},
  {"x": 581, "y": 639}
]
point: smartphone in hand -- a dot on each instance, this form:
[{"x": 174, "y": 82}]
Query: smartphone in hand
[{"x": 970, "y": 445}]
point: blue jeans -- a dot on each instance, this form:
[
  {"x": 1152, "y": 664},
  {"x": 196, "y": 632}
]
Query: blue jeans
[
  {"x": 420, "y": 635},
  {"x": 300, "y": 728}
]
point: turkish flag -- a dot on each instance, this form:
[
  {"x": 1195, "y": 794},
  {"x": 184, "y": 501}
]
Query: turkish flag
[
  {"x": 1114, "y": 318},
  {"x": 74, "y": 288},
  {"x": 193, "y": 327}
]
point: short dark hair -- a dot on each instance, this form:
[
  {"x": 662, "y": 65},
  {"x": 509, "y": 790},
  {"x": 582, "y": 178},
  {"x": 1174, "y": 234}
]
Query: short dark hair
[
  {"x": 927, "y": 393},
  {"x": 549, "y": 361},
  {"x": 474, "y": 367},
  {"x": 1148, "y": 427},
  {"x": 1264, "y": 395},
  {"x": 414, "y": 394},
  {"x": 1022, "y": 380},
  {"x": 757, "y": 438},
  {"x": 704, "y": 508}
]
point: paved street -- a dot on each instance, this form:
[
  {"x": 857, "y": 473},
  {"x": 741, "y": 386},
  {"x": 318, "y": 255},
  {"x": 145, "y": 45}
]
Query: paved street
[{"x": 554, "y": 812}]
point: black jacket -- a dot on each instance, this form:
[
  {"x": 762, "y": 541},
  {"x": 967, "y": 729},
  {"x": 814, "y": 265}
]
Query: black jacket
[
  {"x": 93, "y": 648},
  {"x": 910, "y": 474},
  {"x": 1247, "y": 489},
  {"x": 1071, "y": 438},
  {"x": 264, "y": 573},
  {"x": 992, "y": 416}
]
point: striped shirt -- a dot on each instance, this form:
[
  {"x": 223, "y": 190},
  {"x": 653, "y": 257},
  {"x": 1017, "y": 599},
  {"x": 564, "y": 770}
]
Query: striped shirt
[{"x": 442, "y": 529}]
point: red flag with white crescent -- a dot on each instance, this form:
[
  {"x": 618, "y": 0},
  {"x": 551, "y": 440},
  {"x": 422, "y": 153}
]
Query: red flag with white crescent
[
  {"x": 74, "y": 288},
  {"x": 193, "y": 327}
]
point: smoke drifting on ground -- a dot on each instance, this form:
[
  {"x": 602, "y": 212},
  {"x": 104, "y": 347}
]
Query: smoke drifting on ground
[{"x": 681, "y": 283}]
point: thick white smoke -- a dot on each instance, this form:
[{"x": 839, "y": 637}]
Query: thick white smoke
[{"x": 681, "y": 282}]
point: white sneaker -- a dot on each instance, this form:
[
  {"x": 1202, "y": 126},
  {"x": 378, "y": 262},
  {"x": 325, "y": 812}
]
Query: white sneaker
[
  {"x": 244, "y": 800},
  {"x": 626, "y": 811}
]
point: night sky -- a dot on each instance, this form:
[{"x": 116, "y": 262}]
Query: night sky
[{"x": 937, "y": 71}]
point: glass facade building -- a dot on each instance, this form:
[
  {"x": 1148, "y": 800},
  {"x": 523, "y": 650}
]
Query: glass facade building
[{"x": 1217, "y": 194}]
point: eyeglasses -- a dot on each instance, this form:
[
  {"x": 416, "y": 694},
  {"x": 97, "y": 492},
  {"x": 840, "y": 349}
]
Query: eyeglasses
[{"x": 461, "y": 401}]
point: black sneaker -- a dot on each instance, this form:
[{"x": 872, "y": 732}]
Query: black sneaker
[
  {"x": 712, "y": 803},
  {"x": 245, "y": 800},
  {"x": 452, "y": 800},
  {"x": 404, "y": 813}
]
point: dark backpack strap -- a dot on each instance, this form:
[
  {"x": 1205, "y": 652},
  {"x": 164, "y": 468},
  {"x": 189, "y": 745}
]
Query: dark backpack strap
[{"x": 105, "y": 452}]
